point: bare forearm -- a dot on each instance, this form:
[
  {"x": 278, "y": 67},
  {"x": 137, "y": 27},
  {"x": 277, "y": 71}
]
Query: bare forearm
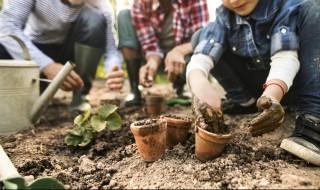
[
  {"x": 202, "y": 88},
  {"x": 185, "y": 48}
]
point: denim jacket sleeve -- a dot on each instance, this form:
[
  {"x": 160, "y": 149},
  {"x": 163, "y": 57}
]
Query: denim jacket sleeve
[
  {"x": 284, "y": 35},
  {"x": 210, "y": 40}
]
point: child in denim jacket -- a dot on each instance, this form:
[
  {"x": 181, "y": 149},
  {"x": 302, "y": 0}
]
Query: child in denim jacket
[{"x": 258, "y": 50}]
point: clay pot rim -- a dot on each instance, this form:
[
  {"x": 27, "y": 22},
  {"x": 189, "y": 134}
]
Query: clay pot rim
[
  {"x": 178, "y": 123},
  {"x": 213, "y": 136},
  {"x": 158, "y": 121}
]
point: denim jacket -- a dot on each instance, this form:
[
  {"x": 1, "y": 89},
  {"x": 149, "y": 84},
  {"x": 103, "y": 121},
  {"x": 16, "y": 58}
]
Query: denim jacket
[{"x": 270, "y": 28}]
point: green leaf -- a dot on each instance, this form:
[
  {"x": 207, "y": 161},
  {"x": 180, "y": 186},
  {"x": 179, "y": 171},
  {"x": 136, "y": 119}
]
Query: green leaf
[
  {"x": 105, "y": 111},
  {"x": 114, "y": 122},
  {"x": 87, "y": 138},
  {"x": 77, "y": 131},
  {"x": 97, "y": 123},
  {"x": 72, "y": 140},
  {"x": 80, "y": 119}
]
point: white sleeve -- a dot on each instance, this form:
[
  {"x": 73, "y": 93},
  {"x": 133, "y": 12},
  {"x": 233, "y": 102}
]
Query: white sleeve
[
  {"x": 284, "y": 66},
  {"x": 13, "y": 17},
  {"x": 200, "y": 62}
]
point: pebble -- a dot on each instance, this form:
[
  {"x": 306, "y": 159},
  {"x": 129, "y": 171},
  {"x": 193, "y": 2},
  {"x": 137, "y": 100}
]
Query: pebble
[
  {"x": 86, "y": 165},
  {"x": 204, "y": 176},
  {"x": 100, "y": 166},
  {"x": 188, "y": 169},
  {"x": 29, "y": 178},
  {"x": 112, "y": 183}
]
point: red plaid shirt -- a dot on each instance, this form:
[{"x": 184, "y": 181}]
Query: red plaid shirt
[{"x": 147, "y": 16}]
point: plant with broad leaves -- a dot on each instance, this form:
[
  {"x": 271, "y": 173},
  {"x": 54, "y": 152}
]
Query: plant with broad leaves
[{"x": 87, "y": 125}]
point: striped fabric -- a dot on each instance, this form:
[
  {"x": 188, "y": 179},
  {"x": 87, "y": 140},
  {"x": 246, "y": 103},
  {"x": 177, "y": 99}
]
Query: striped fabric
[{"x": 48, "y": 22}]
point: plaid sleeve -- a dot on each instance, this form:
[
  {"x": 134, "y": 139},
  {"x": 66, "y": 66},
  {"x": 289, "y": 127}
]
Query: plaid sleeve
[
  {"x": 200, "y": 14},
  {"x": 145, "y": 32}
]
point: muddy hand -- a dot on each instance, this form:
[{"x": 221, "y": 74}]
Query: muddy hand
[
  {"x": 146, "y": 76},
  {"x": 272, "y": 116},
  {"x": 205, "y": 112}
]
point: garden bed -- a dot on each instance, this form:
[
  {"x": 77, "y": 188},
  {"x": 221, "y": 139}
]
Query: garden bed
[{"x": 112, "y": 160}]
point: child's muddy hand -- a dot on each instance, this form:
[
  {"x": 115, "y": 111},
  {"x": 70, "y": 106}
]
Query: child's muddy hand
[
  {"x": 206, "y": 111},
  {"x": 272, "y": 116}
]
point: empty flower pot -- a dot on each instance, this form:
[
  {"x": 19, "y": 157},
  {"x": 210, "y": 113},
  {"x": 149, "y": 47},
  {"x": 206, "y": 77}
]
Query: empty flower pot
[
  {"x": 177, "y": 129},
  {"x": 209, "y": 145},
  {"x": 154, "y": 104},
  {"x": 150, "y": 136}
]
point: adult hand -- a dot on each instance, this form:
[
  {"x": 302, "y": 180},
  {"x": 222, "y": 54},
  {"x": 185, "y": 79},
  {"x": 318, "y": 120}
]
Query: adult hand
[
  {"x": 71, "y": 82},
  {"x": 272, "y": 116},
  {"x": 174, "y": 64},
  {"x": 147, "y": 73},
  {"x": 115, "y": 79}
]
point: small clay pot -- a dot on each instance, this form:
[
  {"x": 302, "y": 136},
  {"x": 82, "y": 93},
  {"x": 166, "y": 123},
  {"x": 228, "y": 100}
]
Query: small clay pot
[
  {"x": 209, "y": 145},
  {"x": 177, "y": 130},
  {"x": 154, "y": 104},
  {"x": 150, "y": 136}
]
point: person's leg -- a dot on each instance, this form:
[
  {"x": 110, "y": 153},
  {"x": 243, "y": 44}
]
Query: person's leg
[
  {"x": 130, "y": 48},
  {"x": 4, "y": 53},
  {"x": 243, "y": 86},
  {"x": 178, "y": 84},
  {"x": 85, "y": 45},
  {"x": 305, "y": 141}
]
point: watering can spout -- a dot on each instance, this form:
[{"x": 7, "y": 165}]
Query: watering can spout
[{"x": 50, "y": 91}]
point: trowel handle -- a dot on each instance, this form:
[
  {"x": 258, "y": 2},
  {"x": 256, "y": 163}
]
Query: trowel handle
[{"x": 7, "y": 169}]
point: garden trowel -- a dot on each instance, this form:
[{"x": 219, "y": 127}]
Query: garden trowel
[{"x": 11, "y": 179}]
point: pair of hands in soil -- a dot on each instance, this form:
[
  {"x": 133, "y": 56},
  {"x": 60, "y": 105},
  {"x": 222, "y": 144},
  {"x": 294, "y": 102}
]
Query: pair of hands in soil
[
  {"x": 174, "y": 66},
  {"x": 270, "y": 118},
  {"x": 73, "y": 81}
]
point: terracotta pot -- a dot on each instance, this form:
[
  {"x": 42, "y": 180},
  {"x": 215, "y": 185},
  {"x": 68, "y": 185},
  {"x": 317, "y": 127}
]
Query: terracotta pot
[
  {"x": 177, "y": 130},
  {"x": 154, "y": 104},
  {"x": 150, "y": 138},
  {"x": 209, "y": 145}
]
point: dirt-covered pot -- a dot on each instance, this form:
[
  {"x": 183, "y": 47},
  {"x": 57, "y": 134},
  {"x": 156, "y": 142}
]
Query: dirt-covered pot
[
  {"x": 154, "y": 104},
  {"x": 150, "y": 136},
  {"x": 209, "y": 145},
  {"x": 177, "y": 129}
]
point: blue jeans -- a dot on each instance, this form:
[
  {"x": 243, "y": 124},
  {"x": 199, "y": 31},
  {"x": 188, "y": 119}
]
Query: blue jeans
[
  {"x": 241, "y": 83},
  {"x": 89, "y": 30}
]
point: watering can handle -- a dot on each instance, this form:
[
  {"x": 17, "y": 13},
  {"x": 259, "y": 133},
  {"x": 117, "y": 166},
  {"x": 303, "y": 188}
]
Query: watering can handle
[
  {"x": 25, "y": 51},
  {"x": 7, "y": 169}
]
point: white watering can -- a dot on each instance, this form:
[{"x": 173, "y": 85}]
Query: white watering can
[{"x": 20, "y": 100}]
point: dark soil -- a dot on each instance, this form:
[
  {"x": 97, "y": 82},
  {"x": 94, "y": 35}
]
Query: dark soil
[
  {"x": 112, "y": 160},
  {"x": 217, "y": 127}
]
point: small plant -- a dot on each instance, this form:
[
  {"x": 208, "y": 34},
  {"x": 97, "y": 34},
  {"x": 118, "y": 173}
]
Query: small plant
[{"x": 87, "y": 125}]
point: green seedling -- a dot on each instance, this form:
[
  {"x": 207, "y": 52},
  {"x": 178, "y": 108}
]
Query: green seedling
[
  {"x": 11, "y": 179},
  {"x": 87, "y": 125},
  {"x": 41, "y": 183}
]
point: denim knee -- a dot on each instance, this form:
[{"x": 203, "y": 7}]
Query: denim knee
[
  {"x": 90, "y": 27},
  {"x": 307, "y": 82}
]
